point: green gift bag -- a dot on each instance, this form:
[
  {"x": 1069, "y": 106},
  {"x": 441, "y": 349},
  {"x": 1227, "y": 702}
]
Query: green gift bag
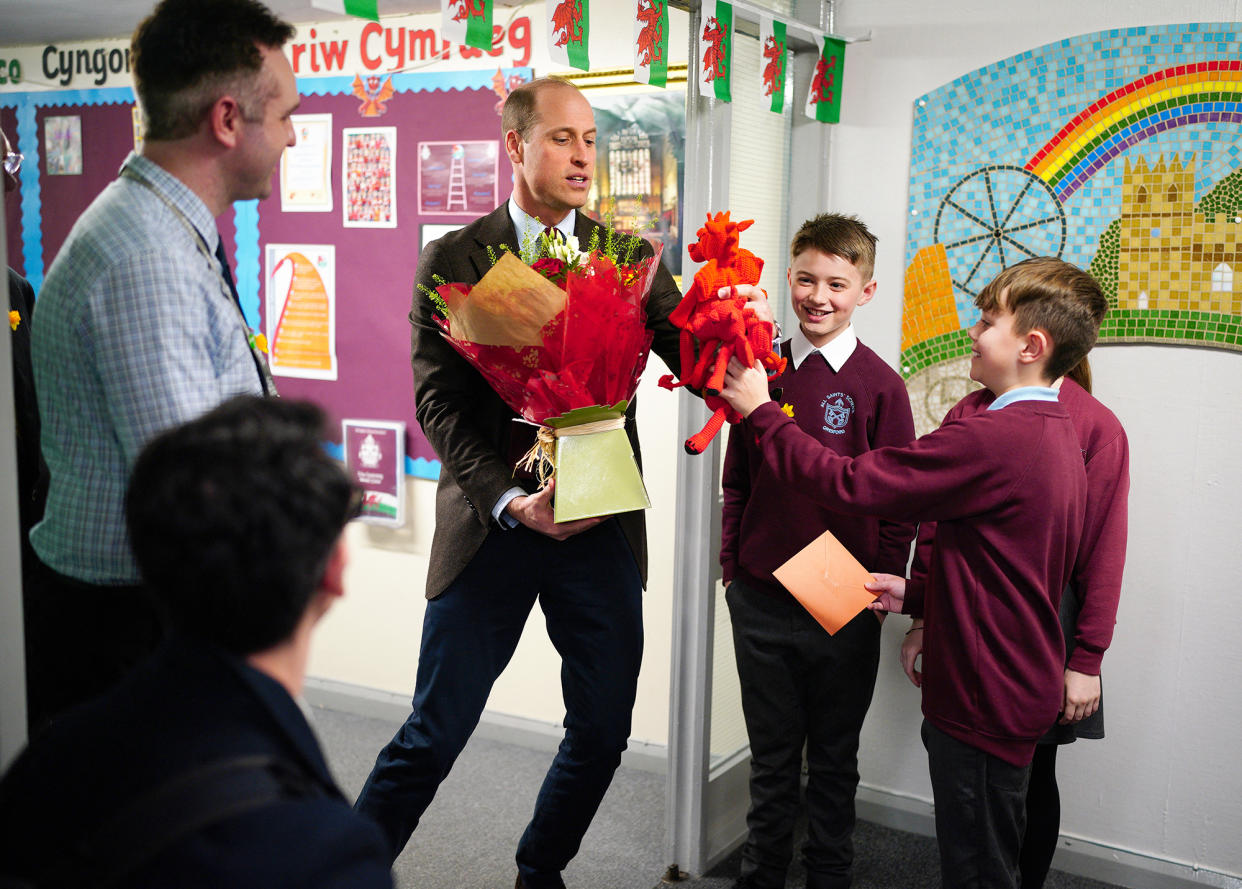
[{"x": 595, "y": 470}]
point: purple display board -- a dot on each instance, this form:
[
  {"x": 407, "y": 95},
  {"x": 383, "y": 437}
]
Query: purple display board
[
  {"x": 107, "y": 137},
  {"x": 375, "y": 267}
]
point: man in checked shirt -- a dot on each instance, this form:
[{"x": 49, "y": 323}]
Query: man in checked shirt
[{"x": 139, "y": 327}]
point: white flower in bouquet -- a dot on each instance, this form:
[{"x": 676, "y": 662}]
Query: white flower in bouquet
[{"x": 567, "y": 251}]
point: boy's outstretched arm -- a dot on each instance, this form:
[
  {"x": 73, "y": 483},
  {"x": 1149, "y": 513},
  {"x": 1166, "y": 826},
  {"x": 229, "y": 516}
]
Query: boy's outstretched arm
[
  {"x": 927, "y": 479},
  {"x": 745, "y": 387}
]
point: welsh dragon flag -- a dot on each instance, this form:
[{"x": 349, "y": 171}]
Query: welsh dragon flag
[
  {"x": 569, "y": 30},
  {"x": 467, "y": 22},
  {"x": 716, "y": 50},
  {"x": 651, "y": 42},
  {"x": 772, "y": 74},
  {"x": 823, "y": 100}
]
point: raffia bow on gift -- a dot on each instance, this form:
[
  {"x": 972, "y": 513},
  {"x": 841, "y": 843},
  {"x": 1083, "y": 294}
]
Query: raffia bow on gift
[{"x": 541, "y": 458}]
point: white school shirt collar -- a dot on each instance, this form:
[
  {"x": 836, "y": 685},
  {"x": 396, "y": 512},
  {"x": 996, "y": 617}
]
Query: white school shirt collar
[
  {"x": 523, "y": 222},
  {"x": 836, "y": 352}
]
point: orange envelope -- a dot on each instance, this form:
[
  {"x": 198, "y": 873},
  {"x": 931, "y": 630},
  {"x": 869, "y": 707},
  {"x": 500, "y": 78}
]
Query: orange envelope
[{"x": 828, "y": 581}]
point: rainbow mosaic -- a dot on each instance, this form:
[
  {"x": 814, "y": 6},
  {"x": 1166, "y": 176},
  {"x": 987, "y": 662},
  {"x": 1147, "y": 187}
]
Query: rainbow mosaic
[{"x": 1117, "y": 151}]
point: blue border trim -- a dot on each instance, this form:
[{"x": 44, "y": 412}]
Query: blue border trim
[
  {"x": 246, "y": 251},
  {"x": 31, "y": 195},
  {"x": 411, "y": 81}
]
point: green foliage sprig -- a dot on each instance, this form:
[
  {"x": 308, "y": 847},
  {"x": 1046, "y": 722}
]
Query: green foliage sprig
[
  {"x": 618, "y": 246},
  {"x": 434, "y": 295}
]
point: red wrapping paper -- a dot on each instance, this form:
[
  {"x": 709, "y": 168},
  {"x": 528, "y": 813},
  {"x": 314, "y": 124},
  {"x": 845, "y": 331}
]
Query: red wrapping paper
[{"x": 592, "y": 352}]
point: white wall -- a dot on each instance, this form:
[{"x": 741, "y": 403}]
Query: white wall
[{"x": 1166, "y": 782}]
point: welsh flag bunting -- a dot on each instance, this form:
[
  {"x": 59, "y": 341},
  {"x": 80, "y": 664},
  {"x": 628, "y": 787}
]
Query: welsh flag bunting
[
  {"x": 569, "y": 30},
  {"x": 363, "y": 9},
  {"x": 468, "y": 22},
  {"x": 823, "y": 101},
  {"x": 716, "y": 50},
  {"x": 651, "y": 42},
  {"x": 772, "y": 45}
]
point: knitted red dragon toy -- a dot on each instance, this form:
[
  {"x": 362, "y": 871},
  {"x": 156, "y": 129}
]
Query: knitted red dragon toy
[{"x": 723, "y": 327}]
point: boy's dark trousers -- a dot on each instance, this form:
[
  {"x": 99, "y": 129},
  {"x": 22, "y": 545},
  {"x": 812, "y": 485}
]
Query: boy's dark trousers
[
  {"x": 980, "y": 805},
  {"x": 800, "y": 684}
]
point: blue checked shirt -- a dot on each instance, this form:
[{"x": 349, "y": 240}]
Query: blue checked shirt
[{"x": 135, "y": 332}]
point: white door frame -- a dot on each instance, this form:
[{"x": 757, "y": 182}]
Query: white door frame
[{"x": 705, "y": 804}]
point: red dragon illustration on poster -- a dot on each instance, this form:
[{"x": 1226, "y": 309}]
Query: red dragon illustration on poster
[
  {"x": 821, "y": 83},
  {"x": 567, "y": 22},
  {"x": 714, "y": 55},
  {"x": 774, "y": 69},
  {"x": 650, "y": 37}
]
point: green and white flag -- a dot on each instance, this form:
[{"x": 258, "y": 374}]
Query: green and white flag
[
  {"x": 569, "y": 32},
  {"x": 716, "y": 50},
  {"x": 363, "y": 9},
  {"x": 823, "y": 100},
  {"x": 468, "y": 22},
  {"x": 651, "y": 42},
  {"x": 772, "y": 73}
]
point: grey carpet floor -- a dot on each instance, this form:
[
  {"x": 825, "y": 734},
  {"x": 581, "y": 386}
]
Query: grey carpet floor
[{"x": 467, "y": 838}]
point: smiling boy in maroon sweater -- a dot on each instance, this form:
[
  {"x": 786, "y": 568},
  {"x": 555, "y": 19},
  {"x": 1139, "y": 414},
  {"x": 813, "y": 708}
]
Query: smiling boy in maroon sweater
[
  {"x": 800, "y": 685},
  {"x": 1008, "y": 491}
]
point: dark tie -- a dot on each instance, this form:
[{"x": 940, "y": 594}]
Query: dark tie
[
  {"x": 554, "y": 233},
  {"x": 260, "y": 363},
  {"x": 226, "y": 271}
]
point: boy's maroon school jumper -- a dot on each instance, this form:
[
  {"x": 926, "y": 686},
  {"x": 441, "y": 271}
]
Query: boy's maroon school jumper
[
  {"x": 1102, "y": 553},
  {"x": 1008, "y": 490},
  {"x": 764, "y": 523}
]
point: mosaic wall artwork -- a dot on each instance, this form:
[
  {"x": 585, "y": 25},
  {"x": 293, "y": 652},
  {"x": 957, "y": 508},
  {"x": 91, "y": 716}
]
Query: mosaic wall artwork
[{"x": 1118, "y": 151}]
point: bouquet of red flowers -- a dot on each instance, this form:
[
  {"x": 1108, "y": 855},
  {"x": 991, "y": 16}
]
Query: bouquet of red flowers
[{"x": 561, "y": 336}]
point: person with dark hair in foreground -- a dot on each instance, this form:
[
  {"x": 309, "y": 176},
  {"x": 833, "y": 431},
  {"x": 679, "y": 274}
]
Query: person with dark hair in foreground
[
  {"x": 199, "y": 769},
  {"x": 140, "y": 326}
]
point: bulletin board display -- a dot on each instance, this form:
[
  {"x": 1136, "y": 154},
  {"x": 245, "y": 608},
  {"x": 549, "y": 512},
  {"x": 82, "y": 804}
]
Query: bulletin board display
[
  {"x": 40, "y": 217},
  {"x": 373, "y": 267}
]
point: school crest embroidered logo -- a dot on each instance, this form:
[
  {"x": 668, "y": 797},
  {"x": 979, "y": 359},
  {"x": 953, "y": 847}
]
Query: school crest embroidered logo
[{"x": 838, "y": 408}]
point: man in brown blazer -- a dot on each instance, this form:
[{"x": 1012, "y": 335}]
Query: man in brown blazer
[{"x": 496, "y": 548}]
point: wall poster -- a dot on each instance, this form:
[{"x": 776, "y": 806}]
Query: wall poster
[
  {"x": 457, "y": 178},
  {"x": 301, "y": 310},
  {"x": 370, "y": 177},
  {"x": 375, "y": 460},
  {"x": 306, "y": 167}
]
